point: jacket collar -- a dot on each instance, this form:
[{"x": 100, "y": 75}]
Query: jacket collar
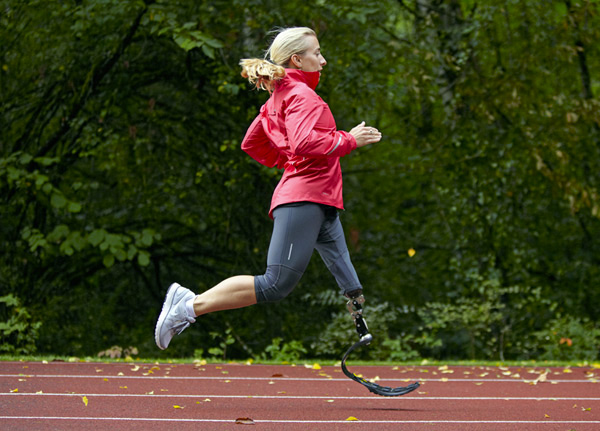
[{"x": 309, "y": 78}]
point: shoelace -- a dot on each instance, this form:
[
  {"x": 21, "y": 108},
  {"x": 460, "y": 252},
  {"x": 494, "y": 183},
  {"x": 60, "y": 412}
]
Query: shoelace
[{"x": 179, "y": 327}]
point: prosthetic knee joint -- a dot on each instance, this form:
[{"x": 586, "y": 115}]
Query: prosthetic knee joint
[{"x": 354, "y": 305}]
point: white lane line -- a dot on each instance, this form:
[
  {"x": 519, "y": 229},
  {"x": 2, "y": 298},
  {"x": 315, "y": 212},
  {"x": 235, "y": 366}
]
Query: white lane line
[
  {"x": 81, "y": 418},
  {"x": 297, "y": 397},
  {"x": 307, "y": 379}
]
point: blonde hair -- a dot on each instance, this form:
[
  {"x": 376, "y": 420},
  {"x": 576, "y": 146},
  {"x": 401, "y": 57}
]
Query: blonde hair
[{"x": 264, "y": 73}]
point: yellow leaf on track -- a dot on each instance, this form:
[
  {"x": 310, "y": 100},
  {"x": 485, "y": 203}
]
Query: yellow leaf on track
[
  {"x": 351, "y": 418},
  {"x": 85, "y": 400},
  {"x": 178, "y": 407},
  {"x": 14, "y": 390}
]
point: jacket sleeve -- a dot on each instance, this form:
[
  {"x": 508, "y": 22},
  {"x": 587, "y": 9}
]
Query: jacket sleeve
[
  {"x": 311, "y": 129},
  {"x": 258, "y": 146}
]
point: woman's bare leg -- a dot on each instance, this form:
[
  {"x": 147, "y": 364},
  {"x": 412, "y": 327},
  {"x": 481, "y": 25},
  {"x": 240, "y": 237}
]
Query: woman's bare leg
[{"x": 234, "y": 292}]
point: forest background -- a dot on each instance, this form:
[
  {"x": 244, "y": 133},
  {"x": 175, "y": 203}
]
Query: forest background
[{"x": 474, "y": 225}]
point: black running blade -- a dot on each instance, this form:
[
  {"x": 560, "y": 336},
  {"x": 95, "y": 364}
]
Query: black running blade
[{"x": 384, "y": 391}]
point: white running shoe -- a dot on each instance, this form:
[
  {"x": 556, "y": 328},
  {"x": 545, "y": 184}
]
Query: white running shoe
[{"x": 173, "y": 318}]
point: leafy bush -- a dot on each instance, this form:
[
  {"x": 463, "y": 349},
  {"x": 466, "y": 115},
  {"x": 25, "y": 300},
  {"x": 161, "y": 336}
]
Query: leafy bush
[
  {"x": 569, "y": 338},
  {"x": 288, "y": 352},
  {"x": 18, "y": 333}
]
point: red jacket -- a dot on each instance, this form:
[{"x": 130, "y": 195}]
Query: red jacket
[{"x": 295, "y": 130}]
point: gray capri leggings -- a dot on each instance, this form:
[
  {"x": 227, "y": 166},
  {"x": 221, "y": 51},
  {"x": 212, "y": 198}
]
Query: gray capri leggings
[{"x": 298, "y": 229}]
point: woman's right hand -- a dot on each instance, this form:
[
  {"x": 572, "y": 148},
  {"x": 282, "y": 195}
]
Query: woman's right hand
[{"x": 365, "y": 135}]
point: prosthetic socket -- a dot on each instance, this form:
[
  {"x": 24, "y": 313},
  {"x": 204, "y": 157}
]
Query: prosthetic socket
[{"x": 354, "y": 305}]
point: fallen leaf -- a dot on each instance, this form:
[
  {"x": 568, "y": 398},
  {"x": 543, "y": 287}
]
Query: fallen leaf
[
  {"x": 85, "y": 401},
  {"x": 444, "y": 379},
  {"x": 316, "y": 367},
  {"x": 351, "y": 418},
  {"x": 137, "y": 367},
  {"x": 178, "y": 407},
  {"x": 330, "y": 401},
  {"x": 207, "y": 400},
  {"x": 411, "y": 252},
  {"x": 583, "y": 409},
  {"x": 39, "y": 392},
  {"x": 567, "y": 370},
  {"x": 277, "y": 375},
  {"x": 14, "y": 390},
  {"x": 122, "y": 387},
  {"x": 541, "y": 378},
  {"x": 443, "y": 368},
  {"x": 546, "y": 416},
  {"x": 150, "y": 393},
  {"x": 244, "y": 421}
]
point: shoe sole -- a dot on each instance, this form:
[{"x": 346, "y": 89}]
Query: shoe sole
[{"x": 167, "y": 305}]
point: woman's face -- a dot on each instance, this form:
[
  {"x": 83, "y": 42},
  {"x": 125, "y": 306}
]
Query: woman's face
[{"x": 312, "y": 60}]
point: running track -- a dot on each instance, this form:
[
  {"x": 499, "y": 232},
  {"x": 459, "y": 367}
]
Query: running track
[{"x": 141, "y": 396}]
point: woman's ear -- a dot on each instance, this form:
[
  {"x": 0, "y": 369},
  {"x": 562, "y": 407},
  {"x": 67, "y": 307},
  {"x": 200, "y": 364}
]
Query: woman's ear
[{"x": 296, "y": 61}]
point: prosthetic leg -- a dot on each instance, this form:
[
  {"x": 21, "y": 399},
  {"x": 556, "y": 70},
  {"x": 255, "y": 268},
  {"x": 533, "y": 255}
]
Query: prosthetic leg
[{"x": 354, "y": 305}]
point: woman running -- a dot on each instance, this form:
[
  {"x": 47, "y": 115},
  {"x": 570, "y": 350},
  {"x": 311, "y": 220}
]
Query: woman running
[{"x": 296, "y": 131}]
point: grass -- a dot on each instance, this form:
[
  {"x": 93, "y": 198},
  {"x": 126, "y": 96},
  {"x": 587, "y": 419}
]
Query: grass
[{"x": 322, "y": 362}]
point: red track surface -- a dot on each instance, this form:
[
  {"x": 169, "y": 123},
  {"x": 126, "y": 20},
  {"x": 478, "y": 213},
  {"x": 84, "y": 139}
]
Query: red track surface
[{"x": 130, "y": 396}]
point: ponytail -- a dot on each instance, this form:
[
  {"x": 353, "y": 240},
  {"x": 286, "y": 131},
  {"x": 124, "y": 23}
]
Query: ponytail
[{"x": 261, "y": 73}]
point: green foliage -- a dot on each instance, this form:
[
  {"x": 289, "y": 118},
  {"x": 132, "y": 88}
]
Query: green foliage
[
  {"x": 18, "y": 330},
  {"x": 286, "y": 352},
  {"x": 569, "y": 338},
  {"x": 224, "y": 341}
]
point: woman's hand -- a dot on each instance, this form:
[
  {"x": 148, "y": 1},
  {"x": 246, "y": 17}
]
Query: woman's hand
[{"x": 365, "y": 135}]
